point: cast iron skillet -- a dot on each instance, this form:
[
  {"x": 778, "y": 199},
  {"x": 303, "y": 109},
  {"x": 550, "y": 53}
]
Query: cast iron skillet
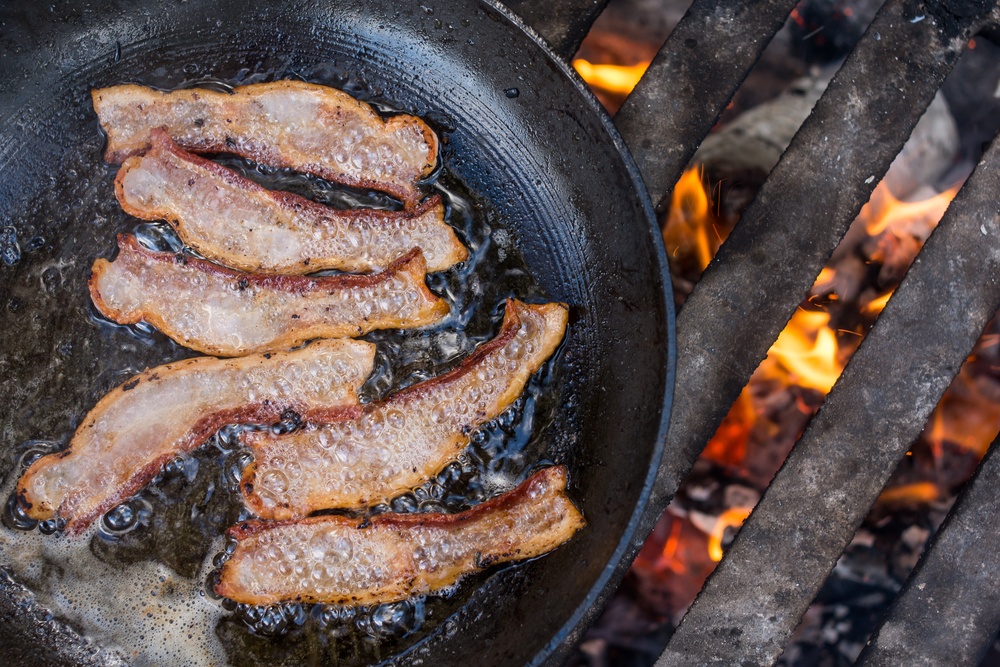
[{"x": 521, "y": 133}]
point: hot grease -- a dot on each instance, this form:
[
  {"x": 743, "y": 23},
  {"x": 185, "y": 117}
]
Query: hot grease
[
  {"x": 114, "y": 583},
  {"x": 144, "y": 611}
]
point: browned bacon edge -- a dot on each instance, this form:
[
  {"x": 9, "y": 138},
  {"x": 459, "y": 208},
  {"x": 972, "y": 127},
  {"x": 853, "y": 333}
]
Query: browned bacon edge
[
  {"x": 512, "y": 498},
  {"x": 160, "y": 140},
  {"x": 289, "y": 284},
  {"x": 509, "y": 329},
  {"x": 268, "y": 155},
  {"x": 231, "y": 584},
  {"x": 265, "y": 412}
]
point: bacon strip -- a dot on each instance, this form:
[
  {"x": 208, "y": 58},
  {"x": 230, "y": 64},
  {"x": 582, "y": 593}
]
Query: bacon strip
[
  {"x": 404, "y": 440},
  {"x": 236, "y": 222},
  {"x": 391, "y": 557},
  {"x": 310, "y": 128},
  {"x": 136, "y": 429},
  {"x": 228, "y": 313}
]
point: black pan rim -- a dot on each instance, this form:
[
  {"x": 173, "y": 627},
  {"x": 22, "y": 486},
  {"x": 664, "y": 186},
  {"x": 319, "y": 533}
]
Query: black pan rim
[
  {"x": 569, "y": 633},
  {"x": 566, "y": 638}
]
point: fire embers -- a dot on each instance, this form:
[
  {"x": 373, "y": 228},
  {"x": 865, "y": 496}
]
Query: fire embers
[{"x": 801, "y": 367}]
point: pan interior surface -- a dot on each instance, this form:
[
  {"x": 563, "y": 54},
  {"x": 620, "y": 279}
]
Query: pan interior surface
[{"x": 521, "y": 143}]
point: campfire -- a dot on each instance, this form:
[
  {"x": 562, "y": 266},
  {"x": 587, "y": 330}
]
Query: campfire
[{"x": 802, "y": 366}]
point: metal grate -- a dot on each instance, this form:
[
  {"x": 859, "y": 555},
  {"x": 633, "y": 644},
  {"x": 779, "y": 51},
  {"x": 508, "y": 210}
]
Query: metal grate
[{"x": 787, "y": 548}]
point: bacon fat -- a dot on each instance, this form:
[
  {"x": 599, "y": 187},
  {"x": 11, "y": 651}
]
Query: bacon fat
[
  {"x": 236, "y": 222},
  {"x": 407, "y": 438},
  {"x": 138, "y": 427},
  {"x": 307, "y": 127},
  {"x": 390, "y": 557},
  {"x": 223, "y": 312}
]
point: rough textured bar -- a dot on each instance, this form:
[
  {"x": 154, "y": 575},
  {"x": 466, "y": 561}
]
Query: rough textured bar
[
  {"x": 563, "y": 23},
  {"x": 693, "y": 76},
  {"x": 772, "y": 256},
  {"x": 949, "y": 611},
  {"x": 786, "y": 549}
]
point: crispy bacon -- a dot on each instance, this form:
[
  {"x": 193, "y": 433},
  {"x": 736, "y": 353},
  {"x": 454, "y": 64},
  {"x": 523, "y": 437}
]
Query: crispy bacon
[
  {"x": 132, "y": 432},
  {"x": 229, "y": 313},
  {"x": 310, "y": 128},
  {"x": 407, "y": 438},
  {"x": 391, "y": 557},
  {"x": 236, "y": 222}
]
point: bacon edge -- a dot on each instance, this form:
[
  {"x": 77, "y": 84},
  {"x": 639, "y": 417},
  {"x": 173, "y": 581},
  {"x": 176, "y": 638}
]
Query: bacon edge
[
  {"x": 411, "y": 263},
  {"x": 545, "y": 486},
  {"x": 312, "y": 213},
  {"x": 263, "y": 412},
  {"x": 122, "y": 144}
]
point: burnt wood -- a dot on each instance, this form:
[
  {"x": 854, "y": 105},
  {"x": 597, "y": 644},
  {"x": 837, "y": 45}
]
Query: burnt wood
[
  {"x": 949, "y": 610},
  {"x": 689, "y": 83},
  {"x": 786, "y": 549}
]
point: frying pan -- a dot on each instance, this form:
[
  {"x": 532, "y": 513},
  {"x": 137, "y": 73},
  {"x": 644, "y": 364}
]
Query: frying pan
[{"x": 521, "y": 133}]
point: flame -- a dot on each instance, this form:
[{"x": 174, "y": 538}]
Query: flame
[
  {"x": 876, "y": 305},
  {"x": 728, "y": 446},
  {"x": 968, "y": 415},
  {"x": 686, "y": 231},
  {"x": 616, "y": 79},
  {"x": 918, "y": 492},
  {"x": 731, "y": 518},
  {"x": 918, "y": 218},
  {"x": 673, "y": 539},
  {"x": 824, "y": 280},
  {"x": 809, "y": 350}
]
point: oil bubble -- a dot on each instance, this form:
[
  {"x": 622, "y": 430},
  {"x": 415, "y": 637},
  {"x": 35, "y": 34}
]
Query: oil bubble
[
  {"x": 15, "y": 515},
  {"x": 121, "y": 518}
]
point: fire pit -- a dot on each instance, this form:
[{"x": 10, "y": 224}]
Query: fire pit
[{"x": 775, "y": 568}]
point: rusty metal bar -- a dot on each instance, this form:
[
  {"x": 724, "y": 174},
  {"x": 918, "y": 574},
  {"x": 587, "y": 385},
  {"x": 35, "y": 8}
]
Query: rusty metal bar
[
  {"x": 786, "y": 550},
  {"x": 689, "y": 83},
  {"x": 949, "y": 610},
  {"x": 771, "y": 258},
  {"x": 563, "y": 23}
]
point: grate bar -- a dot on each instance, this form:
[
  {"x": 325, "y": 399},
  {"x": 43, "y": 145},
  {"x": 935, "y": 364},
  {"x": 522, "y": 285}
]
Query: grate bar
[
  {"x": 689, "y": 83},
  {"x": 771, "y": 258},
  {"x": 563, "y": 23},
  {"x": 786, "y": 550},
  {"x": 949, "y": 611}
]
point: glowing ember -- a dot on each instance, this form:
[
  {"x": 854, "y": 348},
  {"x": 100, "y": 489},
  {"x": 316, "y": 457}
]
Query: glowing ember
[
  {"x": 918, "y": 492},
  {"x": 614, "y": 79}
]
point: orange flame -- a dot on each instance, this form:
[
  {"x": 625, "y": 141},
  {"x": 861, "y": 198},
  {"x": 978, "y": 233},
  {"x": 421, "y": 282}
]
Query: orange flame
[
  {"x": 968, "y": 415},
  {"x": 686, "y": 231},
  {"x": 616, "y": 79},
  {"x": 918, "y": 218},
  {"x": 877, "y": 305},
  {"x": 918, "y": 492},
  {"x": 809, "y": 351},
  {"x": 731, "y": 518}
]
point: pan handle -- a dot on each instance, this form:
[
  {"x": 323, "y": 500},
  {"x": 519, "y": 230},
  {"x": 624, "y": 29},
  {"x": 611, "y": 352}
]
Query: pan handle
[
  {"x": 688, "y": 84},
  {"x": 563, "y": 23}
]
